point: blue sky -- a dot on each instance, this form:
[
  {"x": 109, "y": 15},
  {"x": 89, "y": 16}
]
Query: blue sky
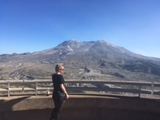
[{"x": 35, "y": 25}]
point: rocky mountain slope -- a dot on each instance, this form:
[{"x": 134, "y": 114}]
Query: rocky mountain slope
[{"x": 82, "y": 60}]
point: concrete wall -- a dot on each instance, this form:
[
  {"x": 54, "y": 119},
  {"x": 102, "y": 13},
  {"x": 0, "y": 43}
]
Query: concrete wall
[{"x": 81, "y": 108}]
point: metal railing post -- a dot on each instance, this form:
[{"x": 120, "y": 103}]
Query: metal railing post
[
  {"x": 152, "y": 88},
  {"x": 36, "y": 88},
  {"x": 139, "y": 93},
  {"x": 8, "y": 89}
]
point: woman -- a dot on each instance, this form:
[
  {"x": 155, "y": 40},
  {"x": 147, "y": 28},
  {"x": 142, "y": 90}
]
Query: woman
[{"x": 59, "y": 94}]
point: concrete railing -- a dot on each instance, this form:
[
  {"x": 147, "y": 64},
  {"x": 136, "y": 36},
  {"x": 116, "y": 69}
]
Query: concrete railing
[
  {"x": 80, "y": 107},
  {"x": 44, "y": 87}
]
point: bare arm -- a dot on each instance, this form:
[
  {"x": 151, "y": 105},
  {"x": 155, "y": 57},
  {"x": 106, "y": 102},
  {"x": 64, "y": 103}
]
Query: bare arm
[{"x": 64, "y": 90}]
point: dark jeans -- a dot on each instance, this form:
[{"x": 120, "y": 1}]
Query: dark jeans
[{"x": 58, "y": 102}]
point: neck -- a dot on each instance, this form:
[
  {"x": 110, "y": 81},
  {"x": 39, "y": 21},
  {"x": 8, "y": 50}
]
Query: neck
[{"x": 58, "y": 73}]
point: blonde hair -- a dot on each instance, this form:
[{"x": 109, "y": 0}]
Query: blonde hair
[{"x": 59, "y": 66}]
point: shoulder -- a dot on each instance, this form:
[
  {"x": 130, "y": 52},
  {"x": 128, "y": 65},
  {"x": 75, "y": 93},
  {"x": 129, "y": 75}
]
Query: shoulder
[{"x": 54, "y": 74}]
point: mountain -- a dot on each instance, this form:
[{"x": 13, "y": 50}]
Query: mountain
[{"x": 82, "y": 60}]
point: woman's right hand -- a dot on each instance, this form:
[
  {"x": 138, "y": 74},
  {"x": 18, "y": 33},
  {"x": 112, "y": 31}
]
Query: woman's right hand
[{"x": 67, "y": 96}]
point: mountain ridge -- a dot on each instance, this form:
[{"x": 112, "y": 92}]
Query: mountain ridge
[{"x": 83, "y": 60}]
